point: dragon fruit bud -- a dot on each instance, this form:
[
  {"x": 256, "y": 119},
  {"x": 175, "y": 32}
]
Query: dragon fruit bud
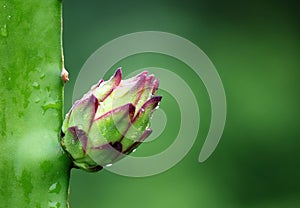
[{"x": 110, "y": 120}]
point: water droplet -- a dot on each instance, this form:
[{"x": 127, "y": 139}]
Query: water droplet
[
  {"x": 36, "y": 85},
  {"x": 9, "y": 78},
  {"x": 72, "y": 141},
  {"x": 8, "y": 17},
  {"x": 55, "y": 188},
  {"x": 42, "y": 76},
  {"x": 53, "y": 204},
  {"x": 133, "y": 135},
  {"x": 133, "y": 150},
  {"x": 37, "y": 100},
  {"x": 20, "y": 114},
  {"x": 51, "y": 105},
  {"x": 108, "y": 165},
  {"x": 46, "y": 166},
  {"x": 3, "y": 30}
]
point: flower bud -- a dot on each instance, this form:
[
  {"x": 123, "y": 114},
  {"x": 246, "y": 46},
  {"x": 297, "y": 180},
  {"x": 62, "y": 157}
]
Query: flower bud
[{"x": 110, "y": 121}]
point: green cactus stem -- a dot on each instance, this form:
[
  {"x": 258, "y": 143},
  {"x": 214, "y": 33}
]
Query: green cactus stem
[{"x": 34, "y": 170}]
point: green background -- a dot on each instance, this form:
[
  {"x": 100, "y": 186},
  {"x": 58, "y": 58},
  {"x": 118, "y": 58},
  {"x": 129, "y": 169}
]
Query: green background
[{"x": 255, "y": 47}]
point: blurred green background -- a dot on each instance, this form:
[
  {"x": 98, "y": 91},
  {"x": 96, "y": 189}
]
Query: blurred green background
[{"x": 255, "y": 47}]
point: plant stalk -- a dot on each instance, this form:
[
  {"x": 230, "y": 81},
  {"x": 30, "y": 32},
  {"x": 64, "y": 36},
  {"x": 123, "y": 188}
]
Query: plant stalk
[{"x": 34, "y": 170}]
